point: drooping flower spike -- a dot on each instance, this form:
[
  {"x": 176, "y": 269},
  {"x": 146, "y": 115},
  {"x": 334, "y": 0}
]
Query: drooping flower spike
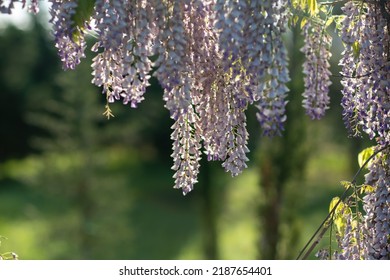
[{"x": 216, "y": 58}]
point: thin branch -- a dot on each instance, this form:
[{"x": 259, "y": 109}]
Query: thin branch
[
  {"x": 360, "y": 76},
  {"x": 319, "y": 233},
  {"x": 333, "y": 3}
]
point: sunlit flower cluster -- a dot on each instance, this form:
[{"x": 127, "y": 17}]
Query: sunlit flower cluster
[
  {"x": 367, "y": 235},
  {"x": 351, "y": 242},
  {"x": 250, "y": 36},
  {"x": 366, "y": 71},
  {"x": 212, "y": 58},
  {"x": 377, "y": 209},
  {"x": 366, "y": 108},
  {"x": 366, "y": 103},
  {"x": 125, "y": 39},
  {"x": 6, "y": 6},
  {"x": 316, "y": 69},
  {"x": 70, "y": 48}
]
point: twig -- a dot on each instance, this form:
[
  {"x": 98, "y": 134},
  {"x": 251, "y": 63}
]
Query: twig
[
  {"x": 361, "y": 76},
  {"x": 324, "y": 225},
  {"x": 333, "y": 3}
]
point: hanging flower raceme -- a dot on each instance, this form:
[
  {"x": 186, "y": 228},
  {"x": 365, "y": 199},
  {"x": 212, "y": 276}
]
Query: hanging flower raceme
[
  {"x": 366, "y": 71},
  {"x": 33, "y": 7},
  {"x": 316, "y": 69},
  {"x": 272, "y": 103},
  {"x": 68, "y": 35},
  {"x": 377, "y": 208},
  {"x": 213, "y": 59},
  {"x": 6, "y": 8},
  {"x": 186, "y": 150},
  {"x": 125, "y": 40},
  {"x": 250, "y": 40}
]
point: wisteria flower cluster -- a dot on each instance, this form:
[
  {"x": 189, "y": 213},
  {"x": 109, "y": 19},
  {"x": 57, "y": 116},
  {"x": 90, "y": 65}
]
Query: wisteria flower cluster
[
  {"x": 7, "y": 6},
  {"x": 368, "y": 236},
  {"x": 366, "y": 70},
  {"x": 376, "y": 226},
  {"x": 316, "y": 69},
  {"x": 212, "y": 58},
  {"x": 366, "y": 108}
]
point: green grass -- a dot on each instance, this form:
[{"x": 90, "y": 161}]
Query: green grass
[
  {"x": 326, "y": 168},
  {"x": 138, "y": 215}
]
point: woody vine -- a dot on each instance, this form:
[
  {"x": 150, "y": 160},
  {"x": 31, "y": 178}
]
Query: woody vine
[{"x": 216, "y": 58}]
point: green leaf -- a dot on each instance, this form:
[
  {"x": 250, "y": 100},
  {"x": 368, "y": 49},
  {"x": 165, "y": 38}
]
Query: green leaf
[
  {"x": 338, "y": 19},
  {"x": 365, "y": 155},
  {"x": 303, "y": 22},
  {"x": 329, "y": 21},
  {"x": 356, "y": 49},
  {"x": 313, "y": 7},
  {"x": 333, "y": 203},
  {"x": 366, "y": 189},
  {"x": 340, "y": 215},
  {"x": 295, "y": 19},
  {"x": 324, "y": 9},
  {"x": 299, "y": 4},
  {"x": 346, "y": 184}
]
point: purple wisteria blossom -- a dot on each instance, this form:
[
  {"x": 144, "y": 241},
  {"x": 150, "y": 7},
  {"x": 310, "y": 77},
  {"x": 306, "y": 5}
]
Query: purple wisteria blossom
[
  {"x": 351, "y": 243},
  {"x": 272, "y": 102},
  {"x": 70, "y": 48},
  {"x": 366, "y": 72},
  {"x": 126, "y": 37},
  {"x": 316, "y": 70},
  {"x": 366, "y": 109},
  {"x": 377, "y": 208},
  {"x": 7, "y": 6},
  {"x": 213, "y": 59},
  {"x": 366, "y": 236},
  {"x": 186, "y": 150},
  {"x": 33, "y": 6},
  {"x": 216, "y": 58}
]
